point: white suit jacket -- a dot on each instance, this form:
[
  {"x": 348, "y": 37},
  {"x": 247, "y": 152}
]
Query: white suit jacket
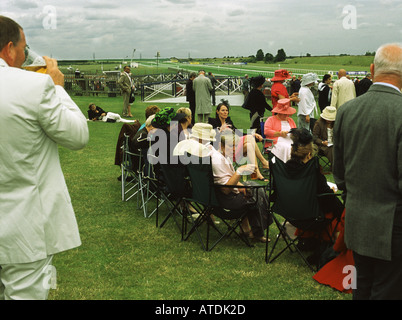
[
  {"x": 343, "y": 90},
  {"x": 36, "y": 215}
]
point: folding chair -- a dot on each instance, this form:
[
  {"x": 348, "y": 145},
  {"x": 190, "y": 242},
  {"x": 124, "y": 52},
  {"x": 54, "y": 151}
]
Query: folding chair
[
  {"x": 130, "y": 180},
  {"x": 294, "y": 197},
  {"x": 176, "y": 189},
  {"x": 152, "y": 187},
  {"x": 204, "y": 198},
  {"x": 323, "y": 160}
]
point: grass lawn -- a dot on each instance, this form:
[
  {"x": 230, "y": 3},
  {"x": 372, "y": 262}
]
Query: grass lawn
[{"x": 124, "y": 256}]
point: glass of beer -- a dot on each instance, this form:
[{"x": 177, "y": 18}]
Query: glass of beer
[{"x": 33, "y": 61}]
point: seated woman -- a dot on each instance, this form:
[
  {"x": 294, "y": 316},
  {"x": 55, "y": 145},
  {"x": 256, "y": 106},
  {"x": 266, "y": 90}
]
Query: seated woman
[
  {"x": 303, "y": 150},
  {"x": 323, "y": 132},
  {"x": 235, "y": 198},
  {"x": 97, "y": 113},
  {"x": 277, "y": 128},
  {"x": 247, "y": 146},
  {"x": 185, "y": 123}
]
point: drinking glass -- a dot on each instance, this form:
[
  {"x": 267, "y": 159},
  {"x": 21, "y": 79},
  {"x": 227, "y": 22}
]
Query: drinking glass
[{"x": 34, "y": 62}]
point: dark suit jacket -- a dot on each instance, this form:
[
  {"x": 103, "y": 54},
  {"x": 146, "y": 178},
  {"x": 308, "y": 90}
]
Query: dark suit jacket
[{"x": 368, "y": 166}]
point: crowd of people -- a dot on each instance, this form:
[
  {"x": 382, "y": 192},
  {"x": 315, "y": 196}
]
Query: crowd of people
[{"x": 359, "y": 130}]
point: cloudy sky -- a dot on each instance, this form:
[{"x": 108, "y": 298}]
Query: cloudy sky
[{"x": 77, "y": 29}]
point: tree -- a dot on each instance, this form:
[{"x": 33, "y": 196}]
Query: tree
[
  {"x": 280, "y": 56},
  {"x": 269, "y": 58},
  {"x": 260, "y": 55}
]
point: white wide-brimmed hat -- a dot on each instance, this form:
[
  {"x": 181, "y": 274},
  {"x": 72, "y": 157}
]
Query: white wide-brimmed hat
[
  {"x": 329, "y": 113},
  {"x": 192, "y": 147},
  {"x": 309, "y": 78},
  {"x": 203, "y": 131}
]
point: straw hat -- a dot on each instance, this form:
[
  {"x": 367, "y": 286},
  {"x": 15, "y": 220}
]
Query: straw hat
[
  {"x": 329, "y": 113},
  {"x": 203, "y": 131},
  {"x": 309, "y": 78},
  {"x": 280, "y": 75},
  {"x": 283, "y": 107}
]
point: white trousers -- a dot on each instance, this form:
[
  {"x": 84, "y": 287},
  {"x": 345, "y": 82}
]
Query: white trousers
[
  {"x": 26, "y": 281},
  {"x": 115, "y": 116}
]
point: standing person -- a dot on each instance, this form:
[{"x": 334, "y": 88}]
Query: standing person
[
  {"x": 245, "y": 87},
  {"x": 202, "y": 87},
  {"x": 370, "y": 174},
  {"x": 126, "y": 85},
  {"x": 278, "y": 89},
  {"x": 213, "y": 82},
  {"x": 257, "y": 103},
  {"x": 343, "y": 90},
  {"x": 36, "y": 216},
  {"x": 364, "y": 85},
  {"x": 325, "y": 92},
  {"x": 190, "y": 95},
  {"x": 307, "y": 104}
]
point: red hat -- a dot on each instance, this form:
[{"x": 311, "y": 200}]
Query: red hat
[
  {"x": 281, "y": 75},
  {"x": 283, "y": 107}
]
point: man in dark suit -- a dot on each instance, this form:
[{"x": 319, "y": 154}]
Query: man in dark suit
[
  {"x": 190, "y": 95},
  {"x": 368, "y": 168},
  {"x": 364, "y": 85}
]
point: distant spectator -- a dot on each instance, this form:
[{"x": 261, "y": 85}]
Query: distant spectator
[
  {"x": 190, "y": 95},
  {"x": 364, "y": 85},
  {"x": 343, "y": 90},
  {"x": 202, "y": 87},
  {"x": 325, "y": 92}
]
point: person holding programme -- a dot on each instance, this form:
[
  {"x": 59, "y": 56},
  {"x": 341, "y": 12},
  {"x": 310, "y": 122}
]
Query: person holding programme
[
  {"x": 277, "y": 128},
  {"x": 37, "y": 219},
  {"x": 368, "y": 168},
  {"x": 323, "y": 132}
]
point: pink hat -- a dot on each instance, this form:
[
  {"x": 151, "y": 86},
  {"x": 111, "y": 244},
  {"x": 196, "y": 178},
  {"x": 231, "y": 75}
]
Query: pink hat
[
  {"x": 281, "y": 75},
  {"x": 283, "y": 107}
]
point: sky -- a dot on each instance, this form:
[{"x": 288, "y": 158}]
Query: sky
[{"x": 77, "y": 29}]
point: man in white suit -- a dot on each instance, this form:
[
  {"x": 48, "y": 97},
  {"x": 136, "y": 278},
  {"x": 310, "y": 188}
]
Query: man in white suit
[
  {"x": 36, "y": 216},
  {"x": 343, "y": 90}
]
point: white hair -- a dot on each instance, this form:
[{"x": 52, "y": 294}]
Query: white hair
[{"x": 388, "y": 59}]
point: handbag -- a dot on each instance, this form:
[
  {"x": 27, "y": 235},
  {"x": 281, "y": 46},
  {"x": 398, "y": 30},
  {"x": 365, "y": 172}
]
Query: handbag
[{"x": 132, "y": 96}]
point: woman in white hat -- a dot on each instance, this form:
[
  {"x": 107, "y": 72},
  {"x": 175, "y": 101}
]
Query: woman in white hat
[
  {"x": 307, "y": 103},
  {"x": 323, "y": 129}
]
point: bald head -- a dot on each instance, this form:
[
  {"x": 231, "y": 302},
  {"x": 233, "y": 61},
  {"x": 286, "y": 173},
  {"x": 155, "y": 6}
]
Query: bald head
[
  {"x": 387, "y": 64},
  {"x": 341, "y": 73}
]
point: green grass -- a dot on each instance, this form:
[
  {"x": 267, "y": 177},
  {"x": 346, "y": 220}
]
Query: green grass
[{"x": 123, "y": 255}]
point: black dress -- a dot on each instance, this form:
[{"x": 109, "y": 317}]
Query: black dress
[{"x": 257, "y": 104}]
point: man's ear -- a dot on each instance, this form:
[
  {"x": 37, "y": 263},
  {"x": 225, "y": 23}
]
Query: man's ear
[
  {"x": 372, "y": 70},
  {"x": 8, "y": 53}
]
